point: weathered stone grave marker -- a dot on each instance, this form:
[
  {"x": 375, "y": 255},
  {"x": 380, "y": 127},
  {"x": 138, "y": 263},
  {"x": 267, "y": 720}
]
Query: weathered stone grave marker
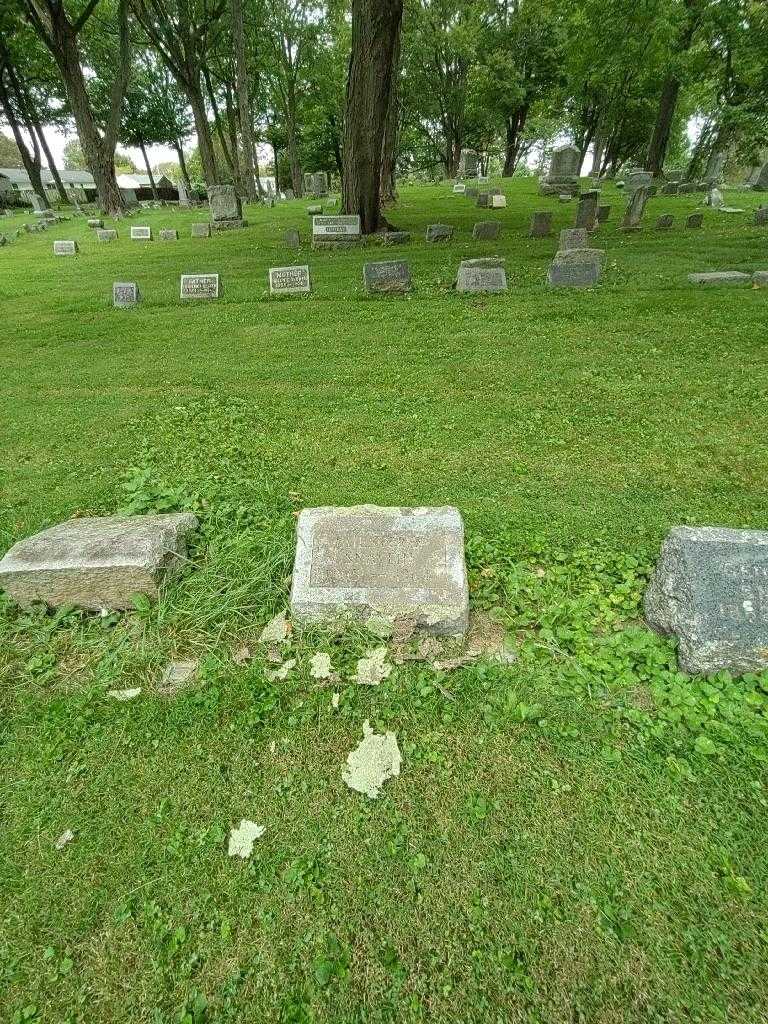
[
  {"x": 199, "y": 286},
  {"x": 635, "y": 209},
  {"x": 573, "y": 238},
  {"x": 289, "y": 281},
  {"x": 292, "y": 238},
  {"x": 168, "y": 235},
  {"x": 396, "y": 238},
  {"x": 107, "y": 235},
  {"x": 482, "y": 200},
  {"x": 339, "y": 230},
  {"x": 710, "y": 590},
  {"x": 459, "y": 188},
  {"x": 439, "y": 233},
  {"x": 480, "y": 279},
  {"x": 200, "y": 231},
  {"x": 586, "y": 213},
  {"x": 64, "y": 247},
  {"x": 141, "y": 233},
  {"x": 694, "y": 220},
  {"x": 603, "y": 213},
  {"x": 388, "y": 276},
  {"x": 226, "y": 208},
  {"x": 541, "y": 224},
  {"x": 761, "y": 215},
  {"x": 562, "y": 177},
  {"x": 124, "y": 294},
  {"x": 664, "y": 222},
  {"x": 97, "y": 561},
  {"x": 95, "y": 222},
  {"x": 486, "y": 230},
  {"x": 717, "y": 277},
  {"x": 575, "y": 268},
  {"x": 379, "y": 563},
  {"x": 497, "y": 201}
]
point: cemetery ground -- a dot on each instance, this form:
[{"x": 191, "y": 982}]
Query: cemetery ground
[{"x": 578, "y": 835}]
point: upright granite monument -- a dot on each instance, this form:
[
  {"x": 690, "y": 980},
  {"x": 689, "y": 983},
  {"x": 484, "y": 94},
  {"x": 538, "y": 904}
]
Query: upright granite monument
[
  {"x": 226, "y": 208},
  {"x": 563, "y": 175}
]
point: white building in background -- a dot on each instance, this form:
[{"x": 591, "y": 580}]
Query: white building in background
[{"x": 81, "y": 186}]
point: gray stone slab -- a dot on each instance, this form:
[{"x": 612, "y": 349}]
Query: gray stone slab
[
  {"x": 481, "y": 279},
  {"x": 335, "y": 230},
  {"x": 439, "y": 233},
  {"x": 292, "y": 238},
  {"x": 289, "y": 280},
  {"x": 64, "y": 247},
  {"x": 760, "y": 278},
  {"x": 575, "y": 268},
  {"x": 482, "y": 200},
  {"x": 761, "y": 216},
  {"x": 124, "y": 294},
  {"x": 388, "y": 276},
  {"x": 671, "y": 188},
  {"x": 168, "y": 235},
  {"x": 141, "y": 233},
  {"x": 573, "y": 238},
  {"x": 200, "y": 231},
  {"x": 603, "y": 214},
  {"x": 226, "y": 207},
  {"x": 96, "y": 562},
  {"x": 486, "y": 231},
  {"x": 396, "y": 238},
  {"x": 586, "y": 213},
  {"x": 95, "y": 222},
  {"x": 369, "y": 562},
  {"x": 664, "y": 222},
  {"x": 635, "y": 209},
  {"x": 541, "y": 224},
  {"x": 694, "y": 220},
  {"x": 485, "y": 262},
  {"x": 107, "y": 235},
  {"x": 199, "y": 286},
  {"x": 728, "y": 277},
  {"x": 314, "y": 209},
  {"x": 710, "y": 590}
]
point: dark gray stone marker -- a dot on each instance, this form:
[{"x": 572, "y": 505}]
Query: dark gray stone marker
[
  {"x": 586, "y": 213},
  {"x": 575, "y": 268},
  {"x": 480, "y": 279},
  {"x": 694, "y": 220},
  {"x": 719, "y": 277},
  {"x": 388, "y": 276},
  {"x": 541, "y": 224},
  {"x": 292, "y": 238},
  {"x": 396, "y": 238},
  {"x": 64, "y": 248},
  {"x": 201, "y": 231},
  {"x": 603, "y": 213},
  {"x": 482, "y": 200},
  {"x": 710, "y": 590},
  {"x": 95, "y": 222},
  {"x": 664, "y": 222},
  {"x": 573, "y": 238},
  {"x": 761, "y": 215},
  {"x": 686, "y": 188},
  {"x": 486, "y": 231},
  {"x": 439, "y": 233},
  {"x": 635, "y": 209},
  {"x": 226, "y": 207},
  {"x": 106, "y": 234},
  {"x": 124, "y": 294},
  {"x": 169, "y": 234},
  {"x": 670, "y": 189}
]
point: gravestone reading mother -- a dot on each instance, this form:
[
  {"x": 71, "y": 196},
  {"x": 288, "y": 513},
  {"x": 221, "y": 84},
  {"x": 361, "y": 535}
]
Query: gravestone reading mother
[
  {"x": 710, "y": 590},
  {"x": 289, "y": 281},
  {"x": 377, "y": 563},
  {"x": 226, "y": 208}
]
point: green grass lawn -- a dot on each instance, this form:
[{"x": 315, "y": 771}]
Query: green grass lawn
[{"x": 577, "y": 837}]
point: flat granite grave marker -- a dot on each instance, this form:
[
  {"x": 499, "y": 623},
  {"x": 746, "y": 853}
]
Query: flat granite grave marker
[
  {"x": 719, "y": 277},
  {"x": 541, "y": 224},
  {"x": 395, "y": 238},
  {"x": 168, "y": 235},
  {"x": 379, "y": 563},
  {"x": 292, "y": 238},
  {"x": 486, "y": 231},
  {"x": 314, "y": 209},
  {"x": 459, "y": 188},
  {"x": 573, "y": 238},
  {"x": 64, "y": 247},
  {"x": 575, "y": 268},
  {"x": 497, "y": 202},
  {"x": 141, "y": 233},
  {"x": 586, "y": 213},
  {"x": 479, "y": 279},
  {"x": 388, "y": 276},
  {"x": 289, "y": 281},
  {"x": 603, "y": 213},
  {"x": 124, "y": 294},
  {"x": 710, "y": 590},
  {"x": 694, "y": 220},
  {"x": 200, "y": 231},
  {"x": 761, "y": 215},
  {"x": 439, "y": 233},
  {"x": 225, "y": 206},
  {"x": 339, "y": 230},
  {"x": 635, "y": 209},
  {"x": 97, "y": 561},
  {"x": 665, "y": 221},
  {"x": 199, "y": 286},
  {"x": 95, "y": 222}
]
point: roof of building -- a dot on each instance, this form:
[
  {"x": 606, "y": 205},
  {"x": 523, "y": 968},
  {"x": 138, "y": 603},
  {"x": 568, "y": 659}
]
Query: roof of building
[{"x": 18, "y": 176}]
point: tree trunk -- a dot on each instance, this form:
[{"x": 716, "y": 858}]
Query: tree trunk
[
  {"x": 203, "y": 131},
  {"x": 597, "y": 154},
  {"x": 274, "y": 159},
  {"x": 31, "y": 161},
  {"x": 297, "y": 181},
  {"x": 375, "y": 31},
  {"x": 183, "y": 166},
  {"x": 52, "y": 164},
  {"x": 217, "y": 122},
  {"x": 152, "y": 184},
  {"x": 391, "y": 133},
  {"x": 243, "y": 101},
  {"x": 234, "y": 149},
  {"x": 657, "y": 148},
  {"x": 515, "y": 125}
]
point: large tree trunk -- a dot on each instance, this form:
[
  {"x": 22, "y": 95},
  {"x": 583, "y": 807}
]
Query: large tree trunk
[
  {"x": 274, "y": 160},
  {"x": 294, "y": 159},
  {"x": 514, "y": 126},
  {"x": 152, "y": 184},
  {"x": 31, "y": 161},
  {"x": 183, "y": 166},
  {"x": 51, "y": 164},
  {"x": 597, "y": 153},
  {"x": 375, "y": 31},
  {"x": 217, "y": 122},
  {"x": 203, "y": 131},
  {"x": 657, "y": 148},
  {"x": 391, "y": 133},
  {"x": 243, "y": 102}
]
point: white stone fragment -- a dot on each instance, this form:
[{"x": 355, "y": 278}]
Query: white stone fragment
[
  {"x": 242, "y": 838},
  {"x": 373, "y": 668},
  {"x": 64, "y": 839},
  {"x": 281, "y": 673},
  {"x": 276, "y": 630},
  {"x": 320, "y": 665},
  {"x": 374, "y": 760},
  {"x": 124, "y": 694}
]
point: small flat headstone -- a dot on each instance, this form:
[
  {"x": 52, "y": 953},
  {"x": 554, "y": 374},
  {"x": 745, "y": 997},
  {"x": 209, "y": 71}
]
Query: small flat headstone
[
  {"x": 96, "y": 562},
  {"x": 95, "y": 222},
  {"x": 289, "y": 281},
  {"x": 665, "y": 221},
  {"x": 694, "y": 220},
  {"x": 106, "y": 234},
  {"x": 124, "y": 294},
  {"x": 484, "y": 262},
  {"x": 575, "y": 268},
  {"x": 761, "y": 215},
  {"x": 169, "y": 235},
  {"x": 470, "y": 192},
  {"x": 481, "y": 279},
  {"x": 573, "y": 238},
  {"x": 710, "y": 590},
  {"x": 314, "y": 210},
  {"x": 199, "y": 286},
  {"x": 388, "y": 276},
  {"x": 482, "y": 200},
  {"x": 141, "y": 233},
  {"x": 64, "y": 248},
  {"x": 338, "y": 230},
  {"x": 377, "y": 563},
  {"x": 459, "y": 188},
  {"x": 439, "y": 233},
  {"x": 396, "y": 238},
  {"x": 497, "y": 201},
  {"x": 603, "y": 214},
  {"x": 670, "y": 189},
  {"x": 292, "y": 238},
  {"x": 541, "y": 224},
  {"x": 486, "y": 230},
  {"x": 201, "y": 231},
  {"x": 719, "y": 277}
]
